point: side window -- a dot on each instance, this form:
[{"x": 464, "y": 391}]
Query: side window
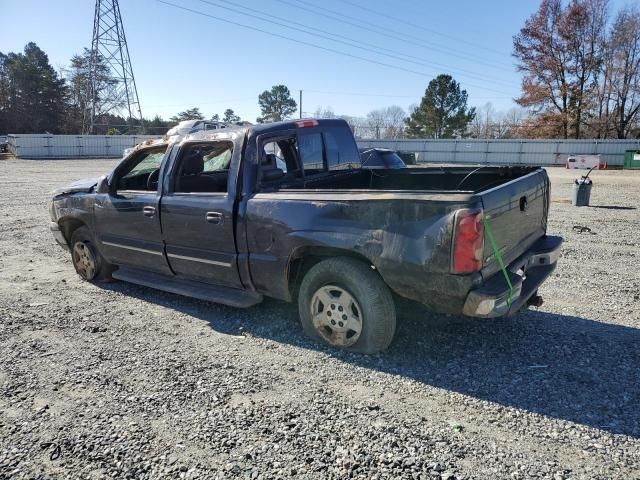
[
  {"x": 135, "y": 176},
  {"x": 342, "y": 151},
  {"x": 311, "y": 153},
  {"x": 274, "y": 156},
  {"x": 204, "y": 168},
  {"x": 218, "y": 159}
]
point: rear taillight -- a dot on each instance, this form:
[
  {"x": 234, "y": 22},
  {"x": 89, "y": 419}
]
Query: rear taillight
[{"x": 468, "y": 242}]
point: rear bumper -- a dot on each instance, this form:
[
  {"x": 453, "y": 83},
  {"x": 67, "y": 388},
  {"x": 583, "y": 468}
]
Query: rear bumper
[
  {"x": 57, "y": 234},
  {"x": 526, "y": 274}
]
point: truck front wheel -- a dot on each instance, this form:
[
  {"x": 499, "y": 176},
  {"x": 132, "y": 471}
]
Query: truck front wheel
[
  {"x": 345, "y": 304},
  {"x": 87, "y": 261}
]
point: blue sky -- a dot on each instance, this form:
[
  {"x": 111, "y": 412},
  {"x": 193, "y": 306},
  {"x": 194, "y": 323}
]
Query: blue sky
[{"x": 182, "y": 59}]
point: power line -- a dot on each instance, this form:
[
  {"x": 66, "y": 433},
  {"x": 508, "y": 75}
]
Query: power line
[
  {"x": 386, "y": 29},
  {"x": 410, "y": 39},
  {"x": 386, "y": 16},
  {"x": 359, "y": 94},
  {"x": 310, "y": 44},
  {"x": 200, "y": 103},
  {"x": 350, "y": 41}
]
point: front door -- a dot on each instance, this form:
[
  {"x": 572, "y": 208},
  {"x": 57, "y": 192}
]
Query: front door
[
  {"x": 197, "y": 215},
  {"x": 127, "y": 218}
]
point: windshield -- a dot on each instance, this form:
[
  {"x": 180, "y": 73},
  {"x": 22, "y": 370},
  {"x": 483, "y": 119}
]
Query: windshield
[{"x": 392, "y": 160}]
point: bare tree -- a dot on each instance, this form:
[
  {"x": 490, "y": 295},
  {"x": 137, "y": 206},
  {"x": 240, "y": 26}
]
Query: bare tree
[
  {"x": 540, "y": 53},
  {"x": 583, "y": 31},
  {"x": 387, "y": 122},
  {"x": 625, "y": 70},
  {"x": 324, "y": 112},
  {"x": 395, "y": 116},
  {"x": 560, "y": 52},
  {"x": 490, "y": 123},
  {"x": 376, "y": 123},
  {"x": 501, "y": 126},
  {"x": 599, "y": 119},
  {"x": 357, "y": 125},
  {"x": 514, "y": 120},
  {"x": 483, "y": 125}
]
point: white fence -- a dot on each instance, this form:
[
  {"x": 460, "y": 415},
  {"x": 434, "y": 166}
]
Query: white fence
[
  {"x": 528, "y": 152},
  {"x": 72, "y": 146}
]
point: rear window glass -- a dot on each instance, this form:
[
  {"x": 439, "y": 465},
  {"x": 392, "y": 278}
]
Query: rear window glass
[
  {"x": 310, "y": 150},
  {"x": 341, "y": 149}
]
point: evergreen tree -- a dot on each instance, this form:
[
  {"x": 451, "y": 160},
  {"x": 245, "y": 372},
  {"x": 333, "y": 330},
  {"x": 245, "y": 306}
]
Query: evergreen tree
[
  {"x": 32, "y": 97},
  {"x": 443, "y": 111},
  {"x": 157, "y": 126},
  {"x": 189, "y": 114},
  {"x": 230, "y": 116},
  {"x": 4, "y": 95},
  {"x": 276, "y": 104}
]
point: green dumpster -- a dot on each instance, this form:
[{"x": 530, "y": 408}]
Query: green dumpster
[{"x": 632, "y": 159}]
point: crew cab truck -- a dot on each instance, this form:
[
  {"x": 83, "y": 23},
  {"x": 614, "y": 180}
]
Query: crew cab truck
[{"x": 284, "y": 210}]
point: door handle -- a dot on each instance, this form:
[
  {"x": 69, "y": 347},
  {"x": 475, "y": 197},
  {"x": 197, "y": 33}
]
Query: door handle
[
  {"x": 149, "y": 211},
  {"x": 216, "y": 218}
]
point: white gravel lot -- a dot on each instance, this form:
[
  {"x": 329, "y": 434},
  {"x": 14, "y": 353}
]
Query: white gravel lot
[{"x": 121, "y": 381}]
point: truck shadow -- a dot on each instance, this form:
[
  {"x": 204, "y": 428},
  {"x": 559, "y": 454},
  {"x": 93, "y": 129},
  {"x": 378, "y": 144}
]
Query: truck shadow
[{"x": 561, "y": 366}]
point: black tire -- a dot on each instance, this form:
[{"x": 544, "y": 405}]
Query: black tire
[
  {"x": 373, "y": 300},
  {"x": 82, "y": 241}
]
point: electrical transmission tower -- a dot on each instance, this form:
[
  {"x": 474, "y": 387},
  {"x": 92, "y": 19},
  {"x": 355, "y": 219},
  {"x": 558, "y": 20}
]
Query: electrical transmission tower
[{"x": 112, "y": 86}]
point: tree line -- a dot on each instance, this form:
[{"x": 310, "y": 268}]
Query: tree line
[
  {"x": 34, "y": 98},
  {"x": 580, "y": 79}
]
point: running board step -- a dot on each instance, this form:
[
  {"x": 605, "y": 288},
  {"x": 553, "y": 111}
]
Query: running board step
[{"x": 212, "y": 293}]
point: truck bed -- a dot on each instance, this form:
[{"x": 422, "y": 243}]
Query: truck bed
[
  {"x": 435, "y": 179},
  {"x": 514, "y": 201}
]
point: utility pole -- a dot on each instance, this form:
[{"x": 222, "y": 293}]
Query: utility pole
[
  {"x": 300, "y": 103},
  {"x": 113, "y": 91}
]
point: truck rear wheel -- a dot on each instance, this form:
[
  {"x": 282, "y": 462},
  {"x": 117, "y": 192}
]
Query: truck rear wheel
[
  {"x": 343, "y": 303},
  {"x": 87, "y": 261}
]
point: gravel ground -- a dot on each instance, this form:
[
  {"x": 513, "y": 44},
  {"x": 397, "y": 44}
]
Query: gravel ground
[{"x": 126, "y": 382}]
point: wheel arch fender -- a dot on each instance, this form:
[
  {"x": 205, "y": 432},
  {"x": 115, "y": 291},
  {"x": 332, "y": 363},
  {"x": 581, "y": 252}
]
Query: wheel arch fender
[
  {"x": 68, "y": 225},
  {"x": 305, "y": 257}
]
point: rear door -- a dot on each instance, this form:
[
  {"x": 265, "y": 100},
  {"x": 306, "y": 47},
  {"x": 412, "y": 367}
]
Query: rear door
[
  {"x": 126, "y": 219},
  {"x": 197, "y": 213},
  {"x": 516, "y": 213}
]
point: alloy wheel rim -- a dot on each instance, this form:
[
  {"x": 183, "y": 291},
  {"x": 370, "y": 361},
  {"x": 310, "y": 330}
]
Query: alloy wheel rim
[
  {"x": 84, "y": 260},
  {"x": 336, "y": 316}
]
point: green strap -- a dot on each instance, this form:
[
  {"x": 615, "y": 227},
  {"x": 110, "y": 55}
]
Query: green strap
[{"x": 498, "y": 255}]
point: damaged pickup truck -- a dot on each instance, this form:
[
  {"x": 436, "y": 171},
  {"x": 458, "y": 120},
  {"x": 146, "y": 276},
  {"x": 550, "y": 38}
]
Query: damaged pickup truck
[{"x": 284, "y": 210}]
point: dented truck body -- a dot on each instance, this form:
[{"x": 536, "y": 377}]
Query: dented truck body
[{"x": 260, "y": 205}]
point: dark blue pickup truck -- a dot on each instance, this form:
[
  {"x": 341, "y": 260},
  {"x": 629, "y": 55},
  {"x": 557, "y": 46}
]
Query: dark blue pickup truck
[{"x": 285, "y": 210}]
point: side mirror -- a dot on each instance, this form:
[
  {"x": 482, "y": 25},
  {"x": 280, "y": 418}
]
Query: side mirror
[
  {"x": 103, "y": 185},
  {"x": 272, "y": 174}
]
